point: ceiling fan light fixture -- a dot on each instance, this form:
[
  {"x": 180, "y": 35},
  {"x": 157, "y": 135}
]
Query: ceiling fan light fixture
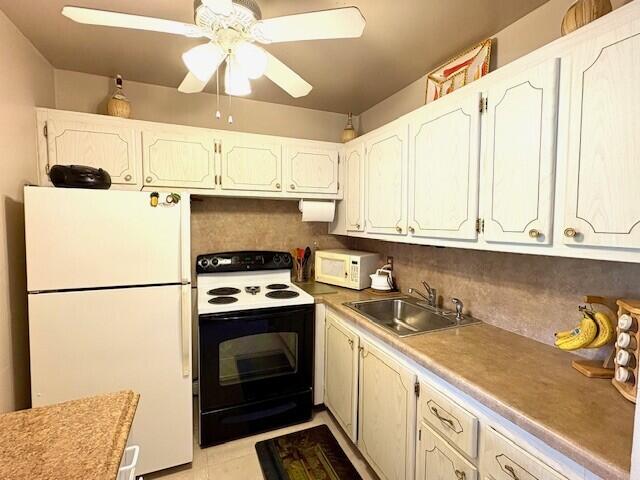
[
  {"x": 236, "y": 82},
  {"x": 252, "y": 59},
  {"x": 203, "y": 60}
]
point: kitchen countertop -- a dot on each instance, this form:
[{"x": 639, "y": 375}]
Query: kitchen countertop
[
  {"x": 527, "y": 382},
  {"x": 80, "y": 439}
]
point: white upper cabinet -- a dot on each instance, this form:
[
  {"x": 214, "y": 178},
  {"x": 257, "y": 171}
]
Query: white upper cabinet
[
  {"x": 443, "y": 168},
  {"x": 251, "y": 162},
  {"x": 311, "y": 168},
  {"x": 603, "y": 177},
  {"x": 172, "y": 159},
  {"x": 354, "y": 186},
  {"x": 95, "y": 142},
  {"x": 519, "y": 162},
  {"x": 386, "y": 181}
]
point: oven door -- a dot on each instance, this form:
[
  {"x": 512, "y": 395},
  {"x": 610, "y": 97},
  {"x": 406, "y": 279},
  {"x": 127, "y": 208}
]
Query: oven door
[{"x": 255, "y": 355}]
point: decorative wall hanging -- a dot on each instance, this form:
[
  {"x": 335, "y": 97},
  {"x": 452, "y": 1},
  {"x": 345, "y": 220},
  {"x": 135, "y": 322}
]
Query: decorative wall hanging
[{"x": 464, "y": 68}]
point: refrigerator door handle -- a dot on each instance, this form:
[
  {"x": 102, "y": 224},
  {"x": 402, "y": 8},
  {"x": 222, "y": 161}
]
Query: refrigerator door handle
[{"x": 185, "y": 329}]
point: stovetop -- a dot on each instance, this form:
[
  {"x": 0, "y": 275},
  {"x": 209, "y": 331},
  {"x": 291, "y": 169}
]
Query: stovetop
[{"x": 235, "y": 291}]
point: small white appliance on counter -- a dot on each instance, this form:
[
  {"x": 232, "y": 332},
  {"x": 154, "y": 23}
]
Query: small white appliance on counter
[
  {"x": 108, "y": 277},
  {"x": 346, "y": 268}
]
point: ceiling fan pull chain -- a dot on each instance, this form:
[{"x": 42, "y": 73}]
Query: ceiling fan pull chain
[{"x": 218, "y": 114}]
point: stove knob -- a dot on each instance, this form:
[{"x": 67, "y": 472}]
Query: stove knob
[
  {"x": 204, "y": 263},
  {"x": 214, "y": 261},
  {"x": 287, "y": 260},
  {"x": 277, "y": 259}
]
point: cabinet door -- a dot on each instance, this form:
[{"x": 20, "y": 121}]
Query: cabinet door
[
  {"x": 386, "y": 181},
  {"x": 251, "y": 162},
  {"x": 518, "y": 180},
  {"x": 341, "y": 374},
  {"x": 354, "y": 188},
  {"x": 603, "y": 188},
  {"x": 110, "y": 145},
  {"x": 386, "y": 422},
  {"x": 436, "y": 460},
  {"x": 178, "y": 159},
  {"x": 443, "y": 169},
  {"x": 312, "y": 168}
]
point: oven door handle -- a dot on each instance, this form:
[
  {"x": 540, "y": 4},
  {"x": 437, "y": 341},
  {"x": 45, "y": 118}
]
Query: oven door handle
[{"x": 185, "y": 329}]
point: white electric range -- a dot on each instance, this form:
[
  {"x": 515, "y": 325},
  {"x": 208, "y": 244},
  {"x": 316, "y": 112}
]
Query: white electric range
[{"x": 256, "y": 345}]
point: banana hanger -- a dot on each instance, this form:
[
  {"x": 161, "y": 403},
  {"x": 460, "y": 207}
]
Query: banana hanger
[{"x": 594, "y": 368}]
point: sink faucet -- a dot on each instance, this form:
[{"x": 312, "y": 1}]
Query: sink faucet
[
  {"x": 459, "y": 306},
  {"x": 432, "y": 295}
]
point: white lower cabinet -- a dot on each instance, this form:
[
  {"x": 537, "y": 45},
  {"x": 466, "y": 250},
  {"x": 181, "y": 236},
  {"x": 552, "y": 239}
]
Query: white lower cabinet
[
  {"x": 504, "y": 460},
  {"x": 424, "y": 430},
  {"x": 436, "y": 460},
  {"x": 386, "y": 428},
  {"x": 341, "y": 374}
]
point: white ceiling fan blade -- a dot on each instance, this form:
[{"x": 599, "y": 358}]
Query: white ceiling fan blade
[
  {"x": 222, "y": 7},
  {"x": 105, "y": 18},
  {"x": 285, "y": 78},
  {"x": 345, "y": 22},
  {"x": 191, "y": 84}
]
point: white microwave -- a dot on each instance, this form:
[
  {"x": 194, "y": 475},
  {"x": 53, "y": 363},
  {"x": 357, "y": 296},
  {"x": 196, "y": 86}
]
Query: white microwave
[{"x": 346, "y": 268}]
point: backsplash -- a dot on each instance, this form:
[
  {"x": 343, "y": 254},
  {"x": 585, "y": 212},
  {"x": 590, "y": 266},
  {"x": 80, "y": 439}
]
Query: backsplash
[
  {"x": 226, "y": 224},
  {"x": 530, "y": 295}
]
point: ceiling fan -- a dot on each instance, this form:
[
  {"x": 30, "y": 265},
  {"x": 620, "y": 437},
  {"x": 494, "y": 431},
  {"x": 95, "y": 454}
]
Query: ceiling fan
[{"x": 233, "y": 28}]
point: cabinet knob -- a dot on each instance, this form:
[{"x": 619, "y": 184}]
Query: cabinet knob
[
  {"x": 293, "y": 187},
  {"x": 358, "y": 226},
  {"x": 570, "y": 232},
  {"x": 412, "y": 230},
  {"x": 127, "y": 178},
  {"x": 399, "y": 229},
  {"x": 533, "y": 233},
  {"x": 278, "y": 186},
  {"x": 148, "y": 179}
]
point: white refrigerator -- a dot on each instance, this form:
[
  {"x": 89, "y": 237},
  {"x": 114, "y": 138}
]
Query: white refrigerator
[{"x": 108, "y": 279}]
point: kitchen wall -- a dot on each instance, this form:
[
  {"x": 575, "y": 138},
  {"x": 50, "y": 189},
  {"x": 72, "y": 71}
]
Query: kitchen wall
[
  {"x": 27, "y": 80},
  {"x": 82, "y": 92},
  {"x": 223, "y": 224},
  {"x": 532, "y": 31}
]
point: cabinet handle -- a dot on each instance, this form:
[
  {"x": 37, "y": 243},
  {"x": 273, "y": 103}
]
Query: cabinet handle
[
  {"x": 570, "y": 232},
  {"x": 511, "y": 472},
  {"x": 412, "y": 230},
  {"x": 278, "y": 186},
  {"x": 293, "y": 187},
  {"x": 148, "y": 179},
  {"x": 443, "y": 419},
  {"x": 127, "y": 178},
  {"x": 533, "y": 233},
  {"x": 350, "y": 343},
  {"x": 460, "y": 475},
  {"x": 358, "y": 226},
  {"x": 399, "y": 229}
]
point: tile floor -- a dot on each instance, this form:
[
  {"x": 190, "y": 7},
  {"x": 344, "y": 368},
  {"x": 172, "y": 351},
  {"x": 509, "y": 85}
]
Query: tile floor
[{"x": 238, "y": 460}]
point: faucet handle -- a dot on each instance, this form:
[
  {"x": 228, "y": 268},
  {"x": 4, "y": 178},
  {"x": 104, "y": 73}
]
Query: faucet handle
[{"x": 459, "y": 306}]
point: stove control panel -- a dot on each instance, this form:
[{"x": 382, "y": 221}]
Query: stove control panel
[{"x": 243, "y": 261}]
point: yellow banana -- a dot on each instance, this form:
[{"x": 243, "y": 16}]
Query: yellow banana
[
  {"x": 606, "y": 332},
  {"x": 581, "y": 336},
  {"x": 564, "y": 333}
]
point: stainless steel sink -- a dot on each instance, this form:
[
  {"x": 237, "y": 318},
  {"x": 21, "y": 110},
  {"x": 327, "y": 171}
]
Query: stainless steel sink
[{"x": 407, "y": 316}]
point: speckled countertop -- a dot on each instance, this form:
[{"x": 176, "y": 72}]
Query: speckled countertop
[
  {"x": 529, "y": 383},
  {"x": 81, "y": 439}
]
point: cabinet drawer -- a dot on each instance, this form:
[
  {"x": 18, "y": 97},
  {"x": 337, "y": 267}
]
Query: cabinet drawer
[
  {"x": 507, "y": 461},
  {"x": 449, "y": 419},
  {"x": 438, "y": 461}
]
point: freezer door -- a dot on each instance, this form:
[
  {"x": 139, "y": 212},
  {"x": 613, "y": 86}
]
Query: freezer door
[
  {"x": 79, "y": 238},
  {"x": 94, "y": 342}
]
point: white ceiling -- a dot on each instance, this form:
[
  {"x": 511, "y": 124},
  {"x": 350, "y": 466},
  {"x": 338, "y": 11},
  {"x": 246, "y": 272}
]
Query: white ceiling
[{"x": 403, "y": 40}]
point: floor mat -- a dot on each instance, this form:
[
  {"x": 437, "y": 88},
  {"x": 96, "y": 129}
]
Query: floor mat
[{"x": 311, "y": 454}]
